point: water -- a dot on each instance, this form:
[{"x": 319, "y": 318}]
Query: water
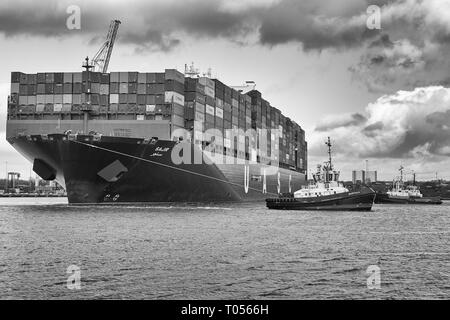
[{"x": 221, "y": 252}]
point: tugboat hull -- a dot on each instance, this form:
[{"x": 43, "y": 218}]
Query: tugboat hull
[
  {"x": 354, "y": 201},
  {"x": 385, "y": 198}
]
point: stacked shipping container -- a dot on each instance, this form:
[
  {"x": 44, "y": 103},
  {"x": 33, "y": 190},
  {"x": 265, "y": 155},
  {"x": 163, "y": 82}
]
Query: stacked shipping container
[
  {"x": 195, "y": 100},
  {"x": 114, "y": 96},
  {"x": 197, "y": 104},
  {"x": 291, "y": 145}
]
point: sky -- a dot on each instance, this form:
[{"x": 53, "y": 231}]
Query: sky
[{"x": 381, "y": 94}]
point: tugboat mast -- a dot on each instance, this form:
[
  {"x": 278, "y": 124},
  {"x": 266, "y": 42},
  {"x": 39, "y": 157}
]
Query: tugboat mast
[{"x": 328, "y": 143}]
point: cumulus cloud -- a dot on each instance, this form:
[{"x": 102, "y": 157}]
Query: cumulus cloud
[{"x": 405, "y": 125}]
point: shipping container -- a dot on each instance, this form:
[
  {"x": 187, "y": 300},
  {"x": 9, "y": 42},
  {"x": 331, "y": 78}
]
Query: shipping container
[
  {"x": 219, "y": 113},
  {"x": 59, "y": 77},
  {"x": 194, "y": 96},
  {"x": 132, "y": 77},
  {"x": 32, "y": 79},
  {"x": 58, "y": 98},
  {"x": 31, "y": 89},
  {"x": 178, "y": 110},
  {"x": 199, "y": 107},
  {"x": 114, "y": 88},
  {"x": 209, "y": 118},
  {"x": 95, "y": 77},
  {"x": 77, "y": 88},
  {"x": 209, "y": 100},
  {"x": 15, "y": 87},
  {"x": 173, "y": 97},
  {"x": 114, "y": 77},
  {"x": 172, "y": 74},
  {"x": 150, "y": 99},
  {"x": 123, "y": 88},
  {"x": 174, "y": 85},
  {"x": 141, "y": 99},
  {"x": 104, "y": 89},
  {"x": 132, "y": 88},
  {"x": 160, "y": 77},
  {"x": 178, "y": 120},
  {"x": 210, "y": 110},
  {"x": 105, "y": 78},
  {"x": 23, "y": 100},
  {"x": 123, "y": 77},
  {"x": 142, "y": 88},
  {"x": 32, "y": 100},
  {"x": 199, "y": 116},
  {"x": 142, "y": 78},
  {"x": 155, "y": 88},
  {"x": 15, "y": 77},
  {"x": 132, "y": 98},
  {"x": 151, "y": 77},
  {"x": 207, "y": 82},
  {"x": 104, "y": 100}
]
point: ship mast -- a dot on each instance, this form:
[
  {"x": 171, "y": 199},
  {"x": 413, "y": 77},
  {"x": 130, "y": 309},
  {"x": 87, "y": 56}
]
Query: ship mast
[
  {"x": 328, "y": 143},
  {"x": 86, "y": 107}
]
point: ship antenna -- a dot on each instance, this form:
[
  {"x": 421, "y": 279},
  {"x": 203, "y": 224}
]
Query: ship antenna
[
  {"x": 87, "y": 65},
  {"x": 328, "y": 143}
]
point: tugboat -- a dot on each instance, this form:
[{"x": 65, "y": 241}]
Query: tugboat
[
  {"x": 405, "y": 194},
  {"x": 325, "y": 193}
]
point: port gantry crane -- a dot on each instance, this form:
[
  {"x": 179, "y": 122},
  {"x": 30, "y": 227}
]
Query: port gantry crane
[{"x": 101, "y": 58}]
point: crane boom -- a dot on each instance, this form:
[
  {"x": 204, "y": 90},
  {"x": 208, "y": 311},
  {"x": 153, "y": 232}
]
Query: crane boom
[{"x": 101, "y": 58}]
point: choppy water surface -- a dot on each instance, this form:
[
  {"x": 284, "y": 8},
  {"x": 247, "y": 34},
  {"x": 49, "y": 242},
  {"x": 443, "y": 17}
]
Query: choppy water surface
[{"x": 221, "y": 252}]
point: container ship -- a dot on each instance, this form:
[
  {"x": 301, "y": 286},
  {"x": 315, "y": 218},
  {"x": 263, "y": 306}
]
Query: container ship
[
  {"x": 110, "y": 137},
  {"x": 139, "y": 137}
]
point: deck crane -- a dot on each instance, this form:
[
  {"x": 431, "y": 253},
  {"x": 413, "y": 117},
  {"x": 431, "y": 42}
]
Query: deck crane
[
  {"x": 100, "y": 64},
  {"x": 101, "y": 58}
]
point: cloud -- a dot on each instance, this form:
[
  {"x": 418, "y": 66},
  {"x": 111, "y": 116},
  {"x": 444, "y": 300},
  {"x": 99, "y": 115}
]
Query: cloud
[
  {"x": 148, "y": 25},
  {"x": 410, "y": 50},
  {"x": 316, "y": 24},
  {"x": 407, "y": 124},
  {"x": 332, "y": 122}
]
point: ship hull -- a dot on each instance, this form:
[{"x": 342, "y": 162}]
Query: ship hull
[
  {"x": 355, "y": 201},
  {"x": 114, "y": 170}
]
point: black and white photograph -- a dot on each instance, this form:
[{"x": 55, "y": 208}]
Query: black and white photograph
[{"x": 225, "y": 155}]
